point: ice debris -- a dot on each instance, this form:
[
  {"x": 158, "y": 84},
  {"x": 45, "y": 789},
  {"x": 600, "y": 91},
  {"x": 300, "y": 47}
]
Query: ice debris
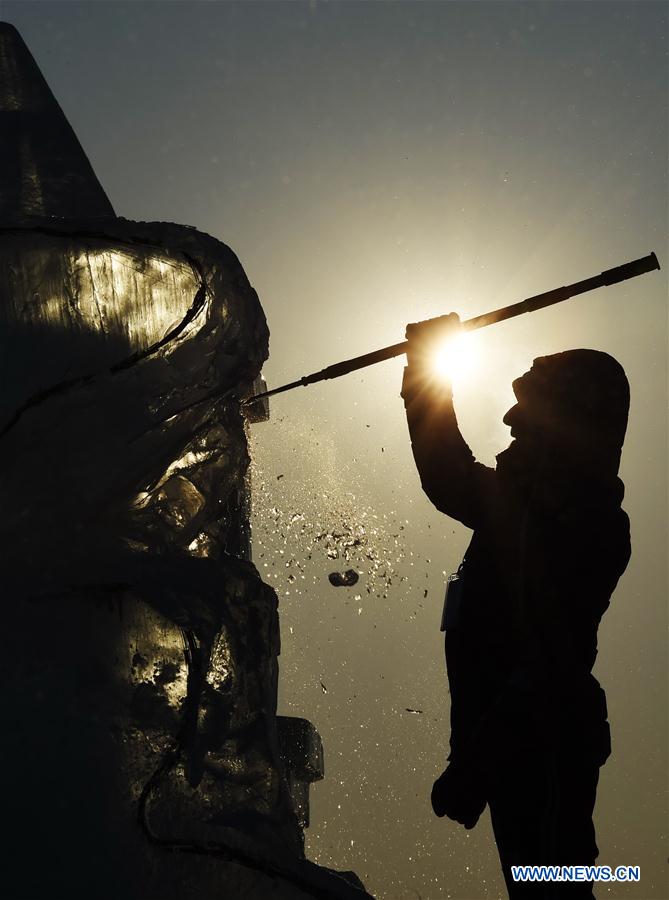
[{"x": 343, "y": 579}]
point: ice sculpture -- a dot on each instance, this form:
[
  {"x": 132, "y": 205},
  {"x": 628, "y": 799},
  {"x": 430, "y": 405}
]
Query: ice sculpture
[{"x": 141, "y": 755}]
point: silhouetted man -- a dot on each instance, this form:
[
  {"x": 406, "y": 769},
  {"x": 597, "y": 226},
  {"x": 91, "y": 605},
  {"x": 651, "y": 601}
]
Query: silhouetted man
[{"x": 528, "y": 720}]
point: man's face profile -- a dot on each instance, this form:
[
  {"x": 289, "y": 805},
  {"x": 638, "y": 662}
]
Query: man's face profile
[{"x": 524, "y": 418}]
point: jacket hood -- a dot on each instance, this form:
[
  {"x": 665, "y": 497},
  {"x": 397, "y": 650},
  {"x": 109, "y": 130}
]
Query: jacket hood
[{"x": 578, "y": 404}]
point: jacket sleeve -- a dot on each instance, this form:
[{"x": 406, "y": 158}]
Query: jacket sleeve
[{"x": 452, "y": 479}]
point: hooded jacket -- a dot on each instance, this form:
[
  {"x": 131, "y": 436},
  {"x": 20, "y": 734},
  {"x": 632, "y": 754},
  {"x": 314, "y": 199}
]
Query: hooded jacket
[{"x": 549, "y": 545}]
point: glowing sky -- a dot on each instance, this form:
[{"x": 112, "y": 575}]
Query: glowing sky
[{"x": 373, "y": 164}]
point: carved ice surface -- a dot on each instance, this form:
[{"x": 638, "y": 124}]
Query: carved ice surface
[
  {"x": 139, "y": 675},
  {"x": 124, "y": 349}
]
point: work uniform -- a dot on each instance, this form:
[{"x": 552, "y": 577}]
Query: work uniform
[{"x": 528, "y": 719}]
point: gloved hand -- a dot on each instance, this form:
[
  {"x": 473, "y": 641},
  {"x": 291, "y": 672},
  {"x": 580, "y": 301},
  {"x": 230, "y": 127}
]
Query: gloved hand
[
  {"x": 459, "y": 794},
  {"x": 426, "y": 338}
]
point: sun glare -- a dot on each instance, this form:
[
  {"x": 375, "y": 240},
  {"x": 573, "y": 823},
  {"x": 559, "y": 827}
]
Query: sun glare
[{"x": 457, "y": 358}]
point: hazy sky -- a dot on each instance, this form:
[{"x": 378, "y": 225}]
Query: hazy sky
[{"x": 373, "y": 164}]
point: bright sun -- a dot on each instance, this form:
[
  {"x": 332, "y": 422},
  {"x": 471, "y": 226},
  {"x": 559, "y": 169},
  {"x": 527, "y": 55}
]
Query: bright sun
[{"x": 457, "y": 358}]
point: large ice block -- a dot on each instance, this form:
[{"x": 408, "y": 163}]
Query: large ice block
[{"x": 141, "y": 757}]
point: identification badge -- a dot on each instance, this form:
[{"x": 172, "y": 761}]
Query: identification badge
[{"x": 452, "y": 601}]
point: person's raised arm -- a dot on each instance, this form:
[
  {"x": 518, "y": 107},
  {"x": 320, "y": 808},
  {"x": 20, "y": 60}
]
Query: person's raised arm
[{"x": 452, "y": 479}]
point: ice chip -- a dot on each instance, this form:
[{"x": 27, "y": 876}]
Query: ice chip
[{"x": 343, "y": 579}]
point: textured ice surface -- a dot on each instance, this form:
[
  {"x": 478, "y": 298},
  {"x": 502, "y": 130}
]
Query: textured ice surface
[
  {"x": 124, "y": 348},
  {"x": 141, "y": 754}
]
